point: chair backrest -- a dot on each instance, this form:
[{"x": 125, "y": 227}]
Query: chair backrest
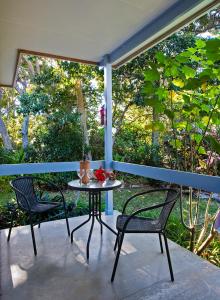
[
  {"x": 24, "y": 191},
  {"x": 171, "y": 197}
]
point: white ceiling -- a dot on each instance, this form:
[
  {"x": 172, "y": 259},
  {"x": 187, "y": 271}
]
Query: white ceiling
[{"x": 82, "y": 29}]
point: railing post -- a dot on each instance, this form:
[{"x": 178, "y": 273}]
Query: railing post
[{"x": 108, "y": 131}]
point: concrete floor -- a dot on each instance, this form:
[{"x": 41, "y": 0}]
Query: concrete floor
[{"x": 60, "y": 270}]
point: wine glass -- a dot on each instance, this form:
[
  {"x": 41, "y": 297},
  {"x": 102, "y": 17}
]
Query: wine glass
[
  {"x": 80, "y": 173},
  {"x": 89, "y": 173}
]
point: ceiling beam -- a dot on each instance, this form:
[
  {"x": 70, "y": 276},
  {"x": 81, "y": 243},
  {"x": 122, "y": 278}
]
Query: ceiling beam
[
  {"x": 21, "y": 52},
  {"x": 118, "y": 56}
]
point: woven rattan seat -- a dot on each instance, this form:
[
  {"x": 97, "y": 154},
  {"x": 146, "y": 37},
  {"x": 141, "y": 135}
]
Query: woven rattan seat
[
  {"x": 43, "y": 207},
  {"x": 138, "y": 224}
]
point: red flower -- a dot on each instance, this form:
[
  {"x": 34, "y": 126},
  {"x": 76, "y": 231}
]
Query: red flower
[{"x": 100, "y": 174}]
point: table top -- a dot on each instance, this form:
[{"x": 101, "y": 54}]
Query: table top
[{"x": 94, "y": 186}]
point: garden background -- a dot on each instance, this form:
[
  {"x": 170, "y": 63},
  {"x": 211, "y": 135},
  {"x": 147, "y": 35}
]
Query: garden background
[{"x": 165, "y": 113}]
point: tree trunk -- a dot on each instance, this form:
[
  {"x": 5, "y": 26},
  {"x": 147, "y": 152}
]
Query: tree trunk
[
  {"x": 24, "y": 132},
  {"x": 155, "y": 134},
  {"x": 3, "y": 130},
  {"x": 5, "y": 136},
  {"x": 83, "y": 115}
]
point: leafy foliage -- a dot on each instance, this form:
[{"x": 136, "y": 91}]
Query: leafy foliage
[{"x": 184, "y": 90}]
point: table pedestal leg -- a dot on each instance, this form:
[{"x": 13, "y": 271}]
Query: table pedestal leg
[
  {"x": 93, "y": 196},
  {"x": 95, "y": 212},
  {"x": 90, "y": 214},
  {"x": 99, "y": 210},
  {"x": 100, "y": 215}
]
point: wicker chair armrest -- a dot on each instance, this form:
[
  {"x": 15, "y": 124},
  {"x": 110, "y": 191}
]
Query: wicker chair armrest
[
  {"x": 54, "y": 186},
  {"x": 140, "y": 194},
  {"x": 153, "y": 207}
]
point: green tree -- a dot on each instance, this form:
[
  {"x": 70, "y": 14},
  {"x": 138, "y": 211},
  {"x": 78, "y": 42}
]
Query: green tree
[{"x": 61, "y": 93}]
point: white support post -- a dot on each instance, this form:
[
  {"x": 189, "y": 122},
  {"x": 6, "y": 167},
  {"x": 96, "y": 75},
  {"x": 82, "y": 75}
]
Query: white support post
[{"x": 108, "y": 131}]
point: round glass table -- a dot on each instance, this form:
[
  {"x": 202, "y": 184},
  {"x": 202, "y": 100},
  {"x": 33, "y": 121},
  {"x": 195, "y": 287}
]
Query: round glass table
[{"x": 94, "y": 189}]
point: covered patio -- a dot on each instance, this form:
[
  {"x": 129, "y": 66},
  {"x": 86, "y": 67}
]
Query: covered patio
[
  {"x": 60, "y": 271},
  {"x": 108, "y": 34}
]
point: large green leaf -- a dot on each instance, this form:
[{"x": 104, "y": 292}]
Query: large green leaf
[
  {"x": 148, "y": 88},
  {"x": 193, "y": 84},
  {"x": 161, "y": 57},
  {"x": 152, "y": 75},
  {"x": 197, "y": 137},
  {"x": 186, "y": 98},
  {"x": 201, "y": 150},
  {"x": 181, "y": 125},
  {"x": 181, "y": 58},
  {"x": 200, "y": 43},
  {"x": 174, "y": 70},
  {"x": 192, "y": 50},
  {"x": 188, "y": 72},
  {"x": 213, "y": 49},
  {"x": 162, "y": 93},
  {"x": 206, "y": 74},
  {"x": 213, "y": 45},
  {"x": 153, "y": 102}
]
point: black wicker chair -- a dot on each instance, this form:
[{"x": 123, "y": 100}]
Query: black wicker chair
[
  {"x": 139, "y": 224},
  {"x": 29, "y": 196}
]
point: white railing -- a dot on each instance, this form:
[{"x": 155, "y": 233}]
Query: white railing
[{"x": 198, "y": 181}]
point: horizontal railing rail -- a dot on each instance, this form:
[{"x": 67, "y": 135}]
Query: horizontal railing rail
[
  {"x": 198, "y": 181},
  {"x": 39, "y": 168}
]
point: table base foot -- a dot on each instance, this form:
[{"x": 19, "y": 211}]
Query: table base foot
[
  {"x": 79, "y": 226},
  {"x": 94, "y": 213}
]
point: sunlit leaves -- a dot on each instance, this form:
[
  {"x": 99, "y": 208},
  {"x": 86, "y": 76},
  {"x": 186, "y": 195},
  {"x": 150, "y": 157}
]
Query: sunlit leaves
[
  {"x": 187, "y": 86},
  {"x": 189, "y": 72},
  {"x": 201, "y": 150},
  {"x": 181, "y": 58},
  {"x": 178, "y": 82},
  {"x": 181, "y": 125},
  {"x": 155, "y": 126},
  {"x": 200, "y": 43},
  {"x": 176, "y": 144},
  {"x": 205, "y": 119},
  {"x": 192, "y": 50},
  {"x": 197, "y": 137},
  {"x": 162, "y": 93}
]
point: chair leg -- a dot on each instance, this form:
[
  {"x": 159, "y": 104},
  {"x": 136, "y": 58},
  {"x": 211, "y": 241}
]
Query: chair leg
[
  {"x": 33, "y": 237},
  {"x": 67, "y": 222},
  {"x": 117, "y": 256},
  {"x": 116, "y": 242},
  {"x": 39, "y": 219},
  {"x": 161, "y": 244},
  {"x": 11, "y": 225},
  {"x": 168, "y": 258}
]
